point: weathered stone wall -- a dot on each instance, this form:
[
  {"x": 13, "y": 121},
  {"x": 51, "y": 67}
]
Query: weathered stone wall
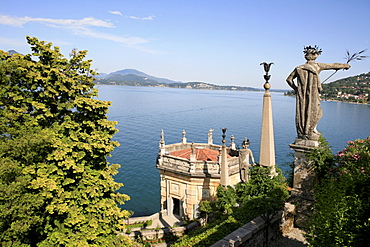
[
  {"x": 255, "y": 233},
  {"x": 151, "y": 234}
]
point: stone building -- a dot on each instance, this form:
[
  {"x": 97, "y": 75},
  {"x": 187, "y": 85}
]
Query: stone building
[{"x": 191, "y": 172}]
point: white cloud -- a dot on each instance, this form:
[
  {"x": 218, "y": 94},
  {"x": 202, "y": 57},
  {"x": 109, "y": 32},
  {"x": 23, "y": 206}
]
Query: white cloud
[
  {"x": 149, "y": 18},
  {"x": 128, "y": 41},
  {"x": 20, "y": 21},
  {"x": 134, "y": 17},
  {"x": 81, "y": 27},
  {"x": 133, "y": 42},
  {"x": 115, "y": 12},
  {"x": 11, "y": 21}
]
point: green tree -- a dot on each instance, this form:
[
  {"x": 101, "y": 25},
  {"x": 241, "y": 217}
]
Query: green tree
[
  {"x": 56, "y": 186},
  {"x": 262, "y": 185},
  {"x": 226, "y": 199},
  {"x": 207, "y": 207},
  {"x": 322, "y": 158}
]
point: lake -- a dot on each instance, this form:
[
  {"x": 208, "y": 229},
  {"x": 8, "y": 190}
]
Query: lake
[{"x": 142, "y": 112}]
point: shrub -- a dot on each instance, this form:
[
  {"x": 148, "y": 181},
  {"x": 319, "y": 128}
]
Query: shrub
[
  {"x": 342, "y": 207},
  {"x": 322, "y": 158}
]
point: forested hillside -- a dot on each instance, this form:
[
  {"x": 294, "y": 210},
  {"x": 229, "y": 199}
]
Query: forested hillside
[
  {"x": 350, "y": 89},
  {"x": 354, "y": 89}
]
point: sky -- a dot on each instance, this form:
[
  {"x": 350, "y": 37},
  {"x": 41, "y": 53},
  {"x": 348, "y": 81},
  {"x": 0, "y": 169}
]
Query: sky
[{"x": 221, "y": 42}]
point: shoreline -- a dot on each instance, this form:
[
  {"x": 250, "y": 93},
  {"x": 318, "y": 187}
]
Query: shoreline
[
  {"x": 335, "y": 100},
  {"x": 341, "y": 101}
]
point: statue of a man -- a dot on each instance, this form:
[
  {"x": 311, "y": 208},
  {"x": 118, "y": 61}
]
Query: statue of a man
[
  {"x": 307, "y": 90},
  {"x": 245, "y": 156}
]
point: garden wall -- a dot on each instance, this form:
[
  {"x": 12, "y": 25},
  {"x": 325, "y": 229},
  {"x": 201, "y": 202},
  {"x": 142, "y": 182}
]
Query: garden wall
[{"x": 254, "y": 233}]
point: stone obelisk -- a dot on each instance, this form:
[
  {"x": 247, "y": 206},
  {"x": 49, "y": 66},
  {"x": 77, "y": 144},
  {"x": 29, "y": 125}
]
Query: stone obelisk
[
  {"x": 267, "y": 146},
  {"x": 224, "y": 165}
]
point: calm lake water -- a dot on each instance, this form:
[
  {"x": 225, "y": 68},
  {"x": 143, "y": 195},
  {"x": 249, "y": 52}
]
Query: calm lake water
[{"x": 142, "y": 113}]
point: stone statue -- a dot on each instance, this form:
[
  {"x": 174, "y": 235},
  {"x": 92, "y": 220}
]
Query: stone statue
[
  {"x": 245, "y": 156},
  {"x": 210, "y": 138},
  {"x": 307, "y": 90}
]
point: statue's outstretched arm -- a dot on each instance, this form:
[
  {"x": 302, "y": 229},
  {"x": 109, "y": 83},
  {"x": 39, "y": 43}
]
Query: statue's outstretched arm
[{"x": 336, "y": 66}]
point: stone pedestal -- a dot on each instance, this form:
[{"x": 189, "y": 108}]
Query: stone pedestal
[{"x": 302, "y": 194}]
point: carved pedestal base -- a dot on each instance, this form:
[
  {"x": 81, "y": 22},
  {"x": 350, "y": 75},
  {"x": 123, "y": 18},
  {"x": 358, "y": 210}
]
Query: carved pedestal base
[{"x": 304, "y": 180}]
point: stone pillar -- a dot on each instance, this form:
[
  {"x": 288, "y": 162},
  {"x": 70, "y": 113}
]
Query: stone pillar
[
  {"x": 232, "y": 143},
  {"x": 184, "y": 137},
  {"x": 162, "y": 149},
  {"x": 267, "y": 145},
  {"x": 224, "y": 165},
  {"x": 169, "y": 199},
  {"x": 210, "y": 137},
  {"x": 302, "y": 194}
]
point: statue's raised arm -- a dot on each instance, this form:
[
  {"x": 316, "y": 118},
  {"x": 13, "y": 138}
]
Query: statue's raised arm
[
  {"x": 336, "y": 66},
  {"x": 307, "y": 89}
]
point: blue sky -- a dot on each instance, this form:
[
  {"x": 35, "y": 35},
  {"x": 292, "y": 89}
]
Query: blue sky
[{"x": 216, "y": 41}]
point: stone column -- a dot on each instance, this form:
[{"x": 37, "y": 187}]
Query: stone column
[
  {"x": 302, "y": 194},
  {"x": 162, "y": 146},
  {"x": 210, "y": 137},
  {"x": 267, "y": 145},
  {"x": 184, "y": 137},
  {"x": 224, "y": 165},
  {"x": 232, "y": 143},
  {"x": 169, "y": 199}
]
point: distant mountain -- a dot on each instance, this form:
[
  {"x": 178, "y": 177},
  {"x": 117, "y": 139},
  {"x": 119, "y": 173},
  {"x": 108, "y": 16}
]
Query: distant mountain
[
  {"x": 133, "y": 77},
  {"x": 101, "y": 75},
  {"x": 137, "y": 73},
  {"x": 12, "y": 52},
  {"x": 129, "y": 80}
]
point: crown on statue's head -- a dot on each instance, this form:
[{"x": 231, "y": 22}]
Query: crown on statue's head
[{"x": 312, "y": 49}]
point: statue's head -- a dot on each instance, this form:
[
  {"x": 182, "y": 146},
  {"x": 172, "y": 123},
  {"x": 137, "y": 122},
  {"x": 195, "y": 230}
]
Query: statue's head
[
  {"x": 245, "y": 143},
  {"x": 311, "y": 52}
]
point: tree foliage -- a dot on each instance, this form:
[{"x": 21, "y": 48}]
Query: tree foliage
[
  {"x": 226, "y": 200},
  {"x": 262, "y": 195},
  {"x": 342, "y": 207},
  {"x": 322, "y": 158},
  {"x": 207, "y": 207},
  {"x": 56, "y": 187}
]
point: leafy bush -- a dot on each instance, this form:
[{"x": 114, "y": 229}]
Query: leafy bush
[
  {"x": 207, "y": 207},
  {"x": 261, "y": 185},
  {"x": 322, "y": 157},
  {"x": 226, "y": 199},
  {"x": 342, "y": 207},
  {"x": 142, "y": 224},
  {"x": 209, "y": 234}
]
